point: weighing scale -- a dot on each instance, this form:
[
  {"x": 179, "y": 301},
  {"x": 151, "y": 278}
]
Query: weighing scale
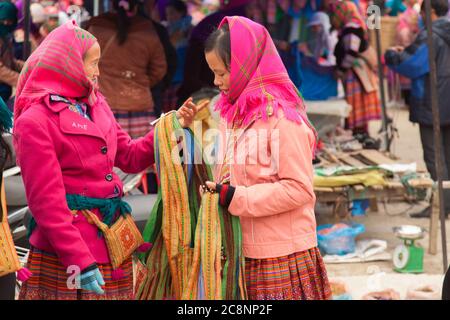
[{"x": 408, "y": 257}]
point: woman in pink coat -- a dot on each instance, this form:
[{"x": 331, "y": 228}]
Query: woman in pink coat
[
  {"x": 67, "y": 143},
  {"x": 266, "y": 177}
]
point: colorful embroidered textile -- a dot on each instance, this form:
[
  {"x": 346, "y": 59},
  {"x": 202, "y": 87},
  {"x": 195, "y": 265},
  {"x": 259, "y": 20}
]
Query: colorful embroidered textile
[
  {"x": 365, "y": 106},
  {"x": 49, "y": 281},
  {"x": 299, "y": 276},
  {"x": 81, "y": 109},
  {"x": 260, "y": 84},
  {"x": 197, "y": 250}
]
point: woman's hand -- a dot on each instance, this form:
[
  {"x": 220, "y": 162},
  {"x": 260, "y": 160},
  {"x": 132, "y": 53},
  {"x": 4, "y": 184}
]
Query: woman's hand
[{"x": 188, "y": 110}]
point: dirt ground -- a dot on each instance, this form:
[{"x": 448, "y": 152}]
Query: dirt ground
[{"x": 379, "y": 224}]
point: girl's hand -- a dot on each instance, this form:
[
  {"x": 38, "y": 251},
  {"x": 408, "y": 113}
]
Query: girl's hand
[
  {"x": 188, "y": 110},
  {"x": 225, "y": 192},
  {"x": 210, "y": 185}
]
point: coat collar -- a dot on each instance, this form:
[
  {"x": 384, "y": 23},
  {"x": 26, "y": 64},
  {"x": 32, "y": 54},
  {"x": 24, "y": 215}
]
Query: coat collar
[{"x": 72, "y": 123}]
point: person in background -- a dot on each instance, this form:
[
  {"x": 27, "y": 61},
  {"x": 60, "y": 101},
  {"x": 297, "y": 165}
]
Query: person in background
[
  {"x": 145, "y": 10},
  {"x": 408, "y": 24},
  {"x": 197, "y": 74},
  {"x": 357, "y": 75},
  {"x": 407, "y": 30},
  {"x": 19, "y": 33},
  {"x": 395, "y": 7},
  {"x": 412, "y": 62},
  {"x": 10, "y": 67},
  {"x": 211, "y": 6},
  {"x": 289, "y": 30},
  {"x": 196, "y": 10},
  {"x": 319, "y": 43},
  {"x": 52, "y": 20},
  {"x": 133, "y": 61},
  {"x": 255, "y": 11},
  {"x": 317, "y": 60},
  {"x": 179, "y": 26}
]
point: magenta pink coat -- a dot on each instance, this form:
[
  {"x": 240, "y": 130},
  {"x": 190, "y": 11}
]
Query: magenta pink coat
[{"x": 64, "y": 153}]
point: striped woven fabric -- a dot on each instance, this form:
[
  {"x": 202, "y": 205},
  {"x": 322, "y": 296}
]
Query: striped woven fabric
[
  {"x": 136, "y": 124},
  {"x": 49, "y": 281},
  {"x": 170, "y": 98},
  {"x": 299, "y": 276},
  {"x": 365, "y": 106},
  {"x": 197, "y": 249}
]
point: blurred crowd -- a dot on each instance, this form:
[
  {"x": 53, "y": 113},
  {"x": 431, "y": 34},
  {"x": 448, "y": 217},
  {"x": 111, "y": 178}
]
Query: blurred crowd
[{"x": 152, "y": 50}]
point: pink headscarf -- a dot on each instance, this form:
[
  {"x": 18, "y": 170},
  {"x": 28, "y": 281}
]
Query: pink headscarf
[
  {"x": 56, "y": 67},
  {"x": 258, "y": 78}
]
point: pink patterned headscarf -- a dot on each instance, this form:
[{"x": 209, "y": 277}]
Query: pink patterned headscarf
[
  {"x": 259, "y": 82},
  {"x": 56, "y": 67}
]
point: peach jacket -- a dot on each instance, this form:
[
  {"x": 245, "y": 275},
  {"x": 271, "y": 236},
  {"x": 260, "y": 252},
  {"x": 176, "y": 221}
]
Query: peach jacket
[{"x": 274, "y": 196}]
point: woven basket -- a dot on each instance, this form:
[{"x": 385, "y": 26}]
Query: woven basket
[
  {"x": 388, "y": 33},
  {"x": 9, "y": 261}
]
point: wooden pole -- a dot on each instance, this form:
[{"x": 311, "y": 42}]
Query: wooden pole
[
  {"x": 382, "y": 93},
  {"x": 26, "y": 51},
  {"x": 436, "y": 129}
]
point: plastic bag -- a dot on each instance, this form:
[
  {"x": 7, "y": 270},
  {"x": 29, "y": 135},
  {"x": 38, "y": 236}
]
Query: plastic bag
[{"x": 338, "y": 239}]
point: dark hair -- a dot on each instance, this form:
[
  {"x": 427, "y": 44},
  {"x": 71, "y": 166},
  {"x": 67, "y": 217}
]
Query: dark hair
[
  {"x": 439, "y": 6},
  {"x": 220, "y": 42},
  {"x": 179, "y": 6},
  {"x": 123, "y": 21}
]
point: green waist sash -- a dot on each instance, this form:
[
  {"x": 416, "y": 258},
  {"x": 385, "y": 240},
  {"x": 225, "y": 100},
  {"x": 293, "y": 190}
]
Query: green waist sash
[{"x": 107, "y": 207}]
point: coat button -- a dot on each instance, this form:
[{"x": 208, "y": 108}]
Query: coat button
[
  {"x": 109, "y": 177},
  {"x": 104, "y": 149}
]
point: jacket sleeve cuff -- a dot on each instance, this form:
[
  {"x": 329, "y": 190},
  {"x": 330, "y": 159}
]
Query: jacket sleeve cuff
[
  {"x": 226, "y": 193},
  {"x": 89, "y": 268}
]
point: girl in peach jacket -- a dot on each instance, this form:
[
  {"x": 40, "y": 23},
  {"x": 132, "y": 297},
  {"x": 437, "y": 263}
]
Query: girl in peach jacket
[{"x": 272, "y": 195}]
